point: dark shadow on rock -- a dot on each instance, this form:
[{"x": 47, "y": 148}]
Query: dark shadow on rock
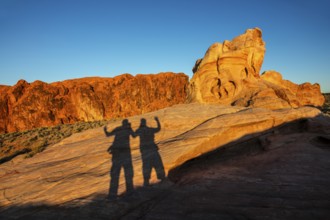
[
  {"x": 249, "y": 178},
  {"x": 248, "y": 145},
  {"x": 322, "y": 141},
  {"x": 126, "y": 206},
  {"x": 121, "y": 157},
  {"x": 149, "y": 151}
]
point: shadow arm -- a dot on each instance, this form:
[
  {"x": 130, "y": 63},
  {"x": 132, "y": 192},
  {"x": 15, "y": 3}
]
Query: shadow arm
[
  {"x": 134, "y": 135},
  {"x": 106, "y": 132},
  {"x": 158, "y": 125}
]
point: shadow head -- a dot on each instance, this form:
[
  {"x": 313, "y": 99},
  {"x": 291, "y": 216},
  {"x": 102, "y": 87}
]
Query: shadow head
[
  {"x": 143, "y": 122},
  {"x": 125, "y": 123}
]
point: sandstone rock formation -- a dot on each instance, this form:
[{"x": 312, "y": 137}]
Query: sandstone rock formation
[
  {"x": 74, "y": 174},
  {"x": 30, "y": 105},
  {"x": 229, "y": 74},
  {"x": 295, "y": 95}
]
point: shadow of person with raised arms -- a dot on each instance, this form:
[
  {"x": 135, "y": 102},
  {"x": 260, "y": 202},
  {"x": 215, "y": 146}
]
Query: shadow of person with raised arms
[
  {"x": 121, "y": 157},
  {"x": 149, "y": 151}
]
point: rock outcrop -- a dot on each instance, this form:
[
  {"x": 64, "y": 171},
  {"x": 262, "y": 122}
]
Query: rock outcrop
[
  {"x": 259, "y": 174},
  {"x": 295, "y": 95},
  {"x": 229, "y": 74},
  {"x": 30, "y": 105}
]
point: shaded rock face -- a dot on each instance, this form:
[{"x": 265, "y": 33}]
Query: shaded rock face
[
  {"x": 30, "y": 105},
  {"x": 229, "y": 74}
]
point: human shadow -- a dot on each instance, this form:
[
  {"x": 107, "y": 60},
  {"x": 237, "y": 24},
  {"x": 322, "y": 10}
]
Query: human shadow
[
  {"x": 149, "y": 151},
  {"x": 121, "y": 157}
]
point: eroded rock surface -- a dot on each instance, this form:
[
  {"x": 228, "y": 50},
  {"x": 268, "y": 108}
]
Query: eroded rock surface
[
  {"x": 74, "y": 174},
  {"x": 229, "y": 74},
  {"x": 30, "y": 105},
  {"x": 295, "y": 95}
]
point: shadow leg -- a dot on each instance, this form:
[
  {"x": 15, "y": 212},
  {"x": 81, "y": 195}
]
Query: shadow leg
[
  {"x": 159, "y": 167},
  {"x": 128, "y": 169},
  {"x": 146, "y": 170},
  {"x": 114, "y": 176}
]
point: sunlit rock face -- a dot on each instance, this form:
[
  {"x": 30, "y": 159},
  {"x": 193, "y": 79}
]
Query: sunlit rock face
[
  {"x": 30, "y": 105},
  {"x": 79, "y": 166},
  {"x": 234, "y": 156},
  {"x": 229, "y": 73},
  {"x": 296, "y": 95},
  {"x": 219, "y": 76}
]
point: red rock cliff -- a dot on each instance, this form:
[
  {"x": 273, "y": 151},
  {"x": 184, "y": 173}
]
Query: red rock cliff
[{"x": 30, "y": 105}]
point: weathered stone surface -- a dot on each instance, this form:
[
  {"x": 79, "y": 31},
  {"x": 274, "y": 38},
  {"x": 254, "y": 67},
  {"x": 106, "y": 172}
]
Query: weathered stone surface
[
  {"x": 295, "y": 95},
  {"x": 220, "y": 74},
  {"x": 30, "y": 105},
  {"x": 229, "y": 74},
  {"x": 76, "y": 171}
]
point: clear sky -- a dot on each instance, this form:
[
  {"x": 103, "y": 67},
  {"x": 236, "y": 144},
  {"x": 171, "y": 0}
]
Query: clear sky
[{"x": 54, "y": 40}]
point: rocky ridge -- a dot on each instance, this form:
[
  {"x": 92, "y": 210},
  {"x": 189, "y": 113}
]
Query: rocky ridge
[{"x": 30, "y": 105}]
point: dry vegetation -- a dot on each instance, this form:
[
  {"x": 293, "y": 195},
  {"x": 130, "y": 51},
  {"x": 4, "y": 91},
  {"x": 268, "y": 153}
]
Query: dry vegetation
[
  {"x": 326, "y": 106},
  {"x": 34, "y": 141}
]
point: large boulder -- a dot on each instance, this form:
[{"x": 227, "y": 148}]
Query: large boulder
[{"x": 229, "y": 74}]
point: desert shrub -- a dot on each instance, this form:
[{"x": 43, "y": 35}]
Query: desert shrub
[
  {"x": 34, "y": 138},
  {"x": 29, "y": 154},
  {"x": 326, "y": 107},
  {"x": 42, "y": 146}
]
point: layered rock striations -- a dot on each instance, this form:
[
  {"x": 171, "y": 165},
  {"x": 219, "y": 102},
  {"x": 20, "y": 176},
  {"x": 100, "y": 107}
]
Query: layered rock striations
[
  {"x": 229, "y": 73},
  {"x": 30, "y": 105},
  {"x": 258, "y": 155}
]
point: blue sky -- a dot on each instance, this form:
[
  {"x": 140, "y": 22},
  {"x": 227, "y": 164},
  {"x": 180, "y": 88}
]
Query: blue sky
[{"x": 54, "y": 40}]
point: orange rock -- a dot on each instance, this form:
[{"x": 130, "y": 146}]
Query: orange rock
[
  {"x": 229, "y": 74},
  {"x": 309, "y": 94},
  {"x": 30, "y": 105},
  {"x": 295, "y": 95},
  {"x": 220, "y": 75}
]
